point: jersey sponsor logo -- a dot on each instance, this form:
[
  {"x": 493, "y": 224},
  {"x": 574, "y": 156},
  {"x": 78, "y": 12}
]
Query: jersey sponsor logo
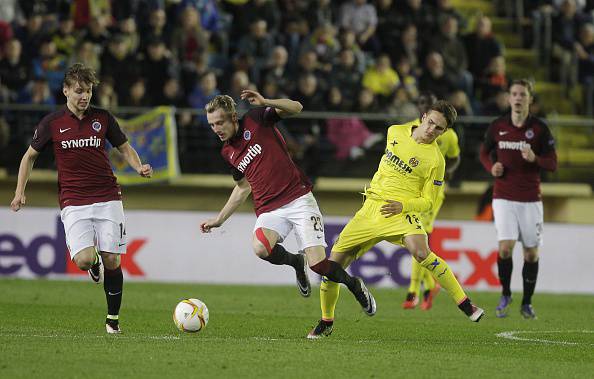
[
  {"x": 529, "y": 133},
  {"x": 82, "y": 142},
  {"x": 438, "y": 182},
  {"x": 247, "y": 135},
  {"x": 96, "y": 125},
  {"x": 64, "y": 130},
  {"x": 253, "y": 151},
  {"x": 394, "y": 160},
  {"x": 513, "y": 145},
  {"x": 413, "y": 162}
]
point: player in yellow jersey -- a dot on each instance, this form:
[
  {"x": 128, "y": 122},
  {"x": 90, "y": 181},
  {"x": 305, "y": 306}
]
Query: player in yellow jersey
[
  {"x": 407, "y": 183},
  {"x": 449, "y": 148}
]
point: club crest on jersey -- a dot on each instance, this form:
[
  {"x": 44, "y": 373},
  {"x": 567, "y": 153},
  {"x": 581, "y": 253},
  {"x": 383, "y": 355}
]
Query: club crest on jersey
[
  {"x": 96, "y": 125},
  {"x": 529, "y": 133},
  {"x": 247, "y": 135},
  {"x": 414, "y": 162}
]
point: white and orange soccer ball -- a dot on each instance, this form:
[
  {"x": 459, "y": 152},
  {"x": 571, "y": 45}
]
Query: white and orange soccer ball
[{"x": 190, "y": 315}]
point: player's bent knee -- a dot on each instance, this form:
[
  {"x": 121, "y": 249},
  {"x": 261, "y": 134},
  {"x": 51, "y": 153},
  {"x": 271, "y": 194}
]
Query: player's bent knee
[
  {"x": 82, "y": 261},
  {"x": 260, "y": 250},
  {"x": 110, "y": 261}
]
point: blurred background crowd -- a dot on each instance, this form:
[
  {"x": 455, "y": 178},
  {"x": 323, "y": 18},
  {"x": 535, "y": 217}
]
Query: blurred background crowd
[{"x": 363, "y": 56}]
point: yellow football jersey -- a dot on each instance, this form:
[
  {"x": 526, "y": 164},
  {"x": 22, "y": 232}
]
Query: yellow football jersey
[{"x": 409, "y": 172}]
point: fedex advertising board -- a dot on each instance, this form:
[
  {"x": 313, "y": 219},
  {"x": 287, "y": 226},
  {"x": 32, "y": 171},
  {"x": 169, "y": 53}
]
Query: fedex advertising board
[{"x": 168, "y": 246}]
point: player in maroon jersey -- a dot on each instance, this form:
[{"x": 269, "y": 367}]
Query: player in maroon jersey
[
  {"x": 90, "y": 198},
  {"x": 516, "y": 148},
  {"x": 282, "y": 196}
]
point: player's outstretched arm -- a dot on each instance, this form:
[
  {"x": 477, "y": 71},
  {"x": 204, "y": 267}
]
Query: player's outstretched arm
[
  {"x": 284, "y": 107},
  {"x": 131, "y": 156},
  {"x": 241, "y": 191},
  {"x": 24, "y": 172}
]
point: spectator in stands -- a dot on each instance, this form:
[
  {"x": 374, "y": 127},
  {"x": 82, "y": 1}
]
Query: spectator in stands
[
  {"x": 239, "y": 81},
  {"x": 434, "y": 79},
  {"x": 203, "y": 93},
  {"x": 381, "y": 79},
  {"x": 321, "y": 12},
  {"x": 294, "y": 33},
  {"x": 309, "y": 64},
  {"x": 50, "y": 65},
  {"x": 421, "y": 15},
  {"x": 348, "y": 41},
  {"x": 37, "y": 92},
  {"x": 257, "y": 45},
  {"x": 497, "y": 105},
  {"x": 361, "y": 17},
  {"x": 402, "y": 106},
  {"x": 494, "y": 79},
  {"x": 324, "y": 42},
  {"x": 156, "y": 28},
  {"x": 277, "y": 71},
  {"x": 189, "y": 38},
  {"x": 350, "y": 136},
  {"x": 117, "y": 62},
  {"x": 584, "y": 49},
  {"x": 566, "y": 26},
  {"x": 407, "y": 80},
  {"x": 31, "y": 35},
  {"x": 127, "y": 29},
  {"x": 105, "y": 97},
  {"x": 481, "y": 47},
  {"x": 347, "y": 77},
  {"x": 409, "y": 48},
  {"x": 136, "y": 96},
  {"x": 64, "y": 37},
  {"x": 97, "y": 33},
  {"x": 86, "y": 53},
  {"x": 445, "y": 7},
  {"x": 460, "y": 101},
  {"x": 388, "y": 29},
  {"x": 84, "y": 14},
  {"x": 15, "y": 71},
  {"x": 451, "y": 48},
  {"x": 156, "y": 67}
]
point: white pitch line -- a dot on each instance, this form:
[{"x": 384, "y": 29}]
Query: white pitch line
[
  {"x": 511, "y": 335},
  {"x": 85, "y": 336}
]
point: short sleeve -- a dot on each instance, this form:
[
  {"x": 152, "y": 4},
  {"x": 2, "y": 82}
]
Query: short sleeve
[
  {"x": 114, "y": 133},
  {"x": 265, "y": 116},
  {"x": 237, "y": 175},
  {"x": 42, "y": 136},
  {"x": 454, "y": 147}
]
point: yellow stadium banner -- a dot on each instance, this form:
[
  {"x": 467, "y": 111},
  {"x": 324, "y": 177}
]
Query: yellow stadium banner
[{"x": 154, "y": 136}]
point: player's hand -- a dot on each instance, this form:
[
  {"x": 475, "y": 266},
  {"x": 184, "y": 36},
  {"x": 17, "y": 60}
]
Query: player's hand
[
  {"x": 253, "y": 97},
  {"x": 18, "y": 202},
  {"x": 208, "y": 225},
  {"x": 391, "y": 208},
  {"x": 145, "y": 171},
  {"x": 497, "y": 169},
  {"x": 528, "y": 154}
]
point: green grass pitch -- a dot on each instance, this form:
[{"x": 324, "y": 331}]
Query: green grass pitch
[{"x": 54, "y": 329}]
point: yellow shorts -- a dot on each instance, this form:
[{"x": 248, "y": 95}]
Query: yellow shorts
[
  {"x": 428, "y": 218},
  {"x": 370, "y": 227}
]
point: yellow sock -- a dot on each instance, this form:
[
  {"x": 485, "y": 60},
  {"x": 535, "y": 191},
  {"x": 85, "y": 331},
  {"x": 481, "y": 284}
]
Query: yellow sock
[
  {"x": 415, "y": 277},
  {"x": 428, "y": 281},
  {"x": 444, "y": 276},
  {"x": 329, "y": 292}
]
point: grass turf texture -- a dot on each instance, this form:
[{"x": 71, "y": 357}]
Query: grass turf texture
[{"x": 55, "y": 329}]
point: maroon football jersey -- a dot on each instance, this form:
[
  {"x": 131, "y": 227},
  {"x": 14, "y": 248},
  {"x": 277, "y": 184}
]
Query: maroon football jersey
[
  {"x": 84, "y": 171},
  {"x": 503, "y": 143},
  {"x": 259, "y": 153}
]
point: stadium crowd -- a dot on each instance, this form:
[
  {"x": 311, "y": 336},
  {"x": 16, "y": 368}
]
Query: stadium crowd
[{"x": 353, "y": 55}]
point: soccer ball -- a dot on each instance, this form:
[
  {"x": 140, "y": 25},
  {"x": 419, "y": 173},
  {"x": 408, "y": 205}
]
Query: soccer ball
[{"x": 190, "y": 315}]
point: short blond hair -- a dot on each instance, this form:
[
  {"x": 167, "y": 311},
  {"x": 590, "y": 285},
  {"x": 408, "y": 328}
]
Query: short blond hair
[{"x": 224, "y": 102}]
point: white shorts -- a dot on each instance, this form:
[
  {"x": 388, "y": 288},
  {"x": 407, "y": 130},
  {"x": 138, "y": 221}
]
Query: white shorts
[
  {"x": 99, "y": 224},
  {"x": 519, "y": 221},
  {"x": 301, "y": 214}
]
